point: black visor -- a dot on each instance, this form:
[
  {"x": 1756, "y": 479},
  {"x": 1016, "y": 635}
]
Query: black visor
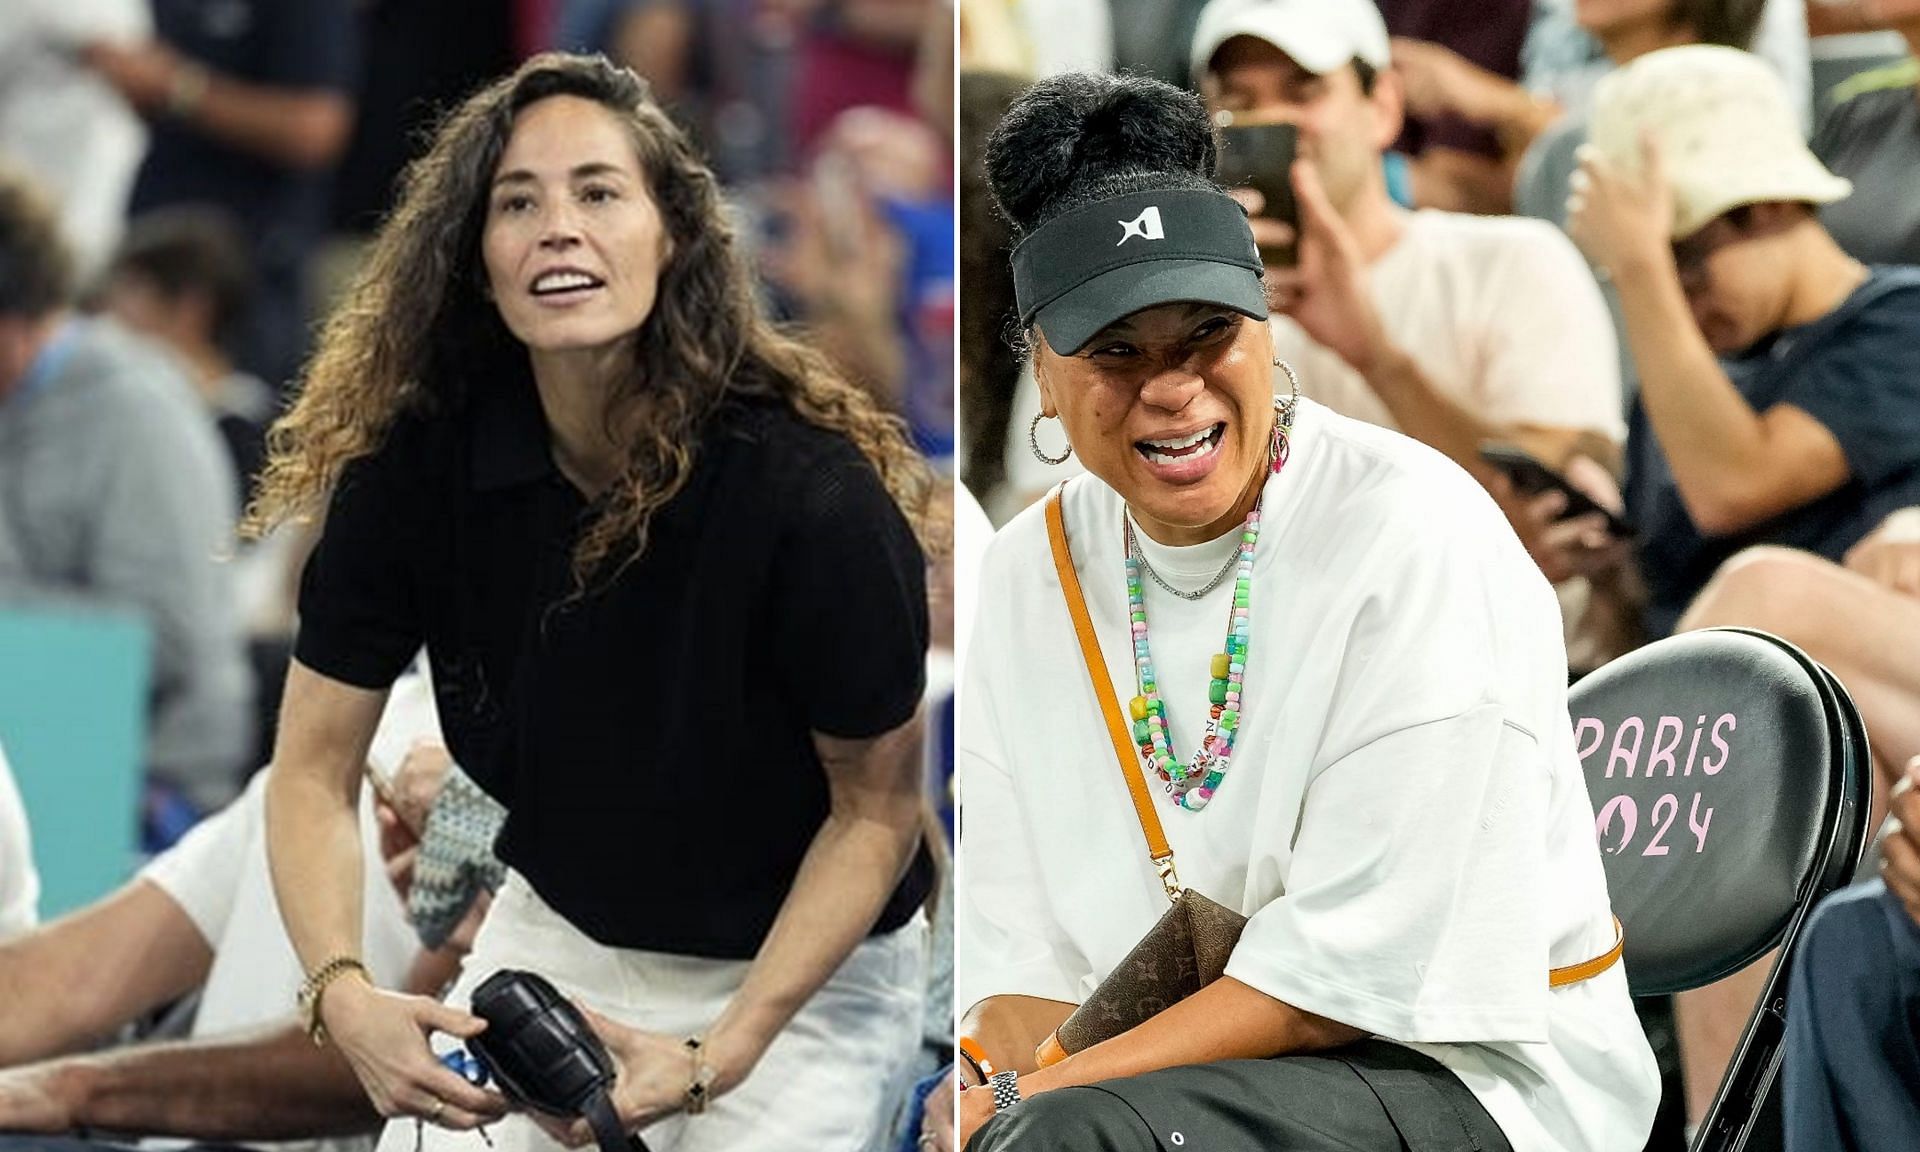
[{"x": 1087, "y": 268}]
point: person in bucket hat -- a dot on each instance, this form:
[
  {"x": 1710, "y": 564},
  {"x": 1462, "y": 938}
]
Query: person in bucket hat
[{"x": 1778, "y": 405}]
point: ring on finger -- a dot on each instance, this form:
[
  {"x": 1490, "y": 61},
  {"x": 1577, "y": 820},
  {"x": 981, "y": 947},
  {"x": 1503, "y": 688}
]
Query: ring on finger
[
  {"x": 927, "y": 1138},
  {"x": 439, "y": 1106}
]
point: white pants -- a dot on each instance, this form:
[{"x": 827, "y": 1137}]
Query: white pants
[{"x": 823, "y": 1085}]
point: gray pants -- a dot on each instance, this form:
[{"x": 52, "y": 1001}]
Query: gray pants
[{"x": 1368, "y": 1097}]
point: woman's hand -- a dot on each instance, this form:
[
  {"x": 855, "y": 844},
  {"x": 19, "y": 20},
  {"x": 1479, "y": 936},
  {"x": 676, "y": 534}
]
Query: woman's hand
[
  {"x": 1618, "y": 221},
  {"x": 383, "y": 1035},
  {"x": 652, "y": 1073},
  {"x": 936, "y": 1115},
  {"x": 976, "y": 1108}
]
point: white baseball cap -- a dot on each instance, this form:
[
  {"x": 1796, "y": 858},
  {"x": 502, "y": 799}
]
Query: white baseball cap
[
  {"x": 1320, "y": 35},
  {"x": 1726, "y": 133}
]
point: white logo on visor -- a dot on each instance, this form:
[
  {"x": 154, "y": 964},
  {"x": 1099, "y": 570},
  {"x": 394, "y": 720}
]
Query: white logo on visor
[{"x": 1146, "y": 226}]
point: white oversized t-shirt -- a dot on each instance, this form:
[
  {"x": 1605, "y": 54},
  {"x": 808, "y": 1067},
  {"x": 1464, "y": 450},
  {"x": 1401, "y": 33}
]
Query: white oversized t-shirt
[
  {"x": 1502, "y": 316},
  {"x": 1404, "y": 820}
]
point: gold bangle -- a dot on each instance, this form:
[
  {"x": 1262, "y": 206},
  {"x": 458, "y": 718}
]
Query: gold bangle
[
  {"x": 314, "y": 988},
  {"x": 700, "y": 1079}
]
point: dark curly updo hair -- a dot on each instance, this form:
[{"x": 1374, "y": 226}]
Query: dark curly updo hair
[{"x": 1079, "y": 137}]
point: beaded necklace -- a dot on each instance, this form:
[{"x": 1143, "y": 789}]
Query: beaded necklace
[{"x": 1192, "y": 784}]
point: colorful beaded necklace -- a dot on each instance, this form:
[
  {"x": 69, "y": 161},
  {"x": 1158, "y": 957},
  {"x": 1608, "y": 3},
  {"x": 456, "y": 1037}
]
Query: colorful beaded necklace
[{"x": 1192, "y": 784}]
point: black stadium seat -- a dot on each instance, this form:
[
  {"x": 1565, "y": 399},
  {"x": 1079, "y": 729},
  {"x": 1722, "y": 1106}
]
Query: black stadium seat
[{"x": 1730, "y": 780}]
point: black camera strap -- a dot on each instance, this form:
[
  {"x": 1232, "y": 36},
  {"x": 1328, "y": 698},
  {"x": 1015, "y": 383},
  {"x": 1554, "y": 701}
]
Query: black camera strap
[{"x": 607, "y": 1129}]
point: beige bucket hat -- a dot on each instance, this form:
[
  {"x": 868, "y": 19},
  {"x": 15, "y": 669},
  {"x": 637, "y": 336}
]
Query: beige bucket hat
[{"x": 1724, "y": 128}]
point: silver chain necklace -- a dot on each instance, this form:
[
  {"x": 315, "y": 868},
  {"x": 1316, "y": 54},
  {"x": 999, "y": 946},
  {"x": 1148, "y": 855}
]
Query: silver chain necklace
[{"x": 1140, "y": 558}]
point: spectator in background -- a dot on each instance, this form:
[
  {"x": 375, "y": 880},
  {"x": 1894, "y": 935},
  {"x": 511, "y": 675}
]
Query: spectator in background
[
  {"x": 201, "y": 920},
  {"x": 250, "y": 104},
  {"x": 114, "y": 489},
  {"x": 1564, "y": 57},
  {"x": 419, "y": 58},
  {"x": 1454, "y": 163},
  {"x": 1777, "y": 402},
  {"x": 19, "y": 883},
  {"x": 181, "y": 278},
  {"x": 1852, "y": 1053},
  {"x": 1453, "y": 329},
  {"x": 1871, "y": 136},
  {"x": 1539, "y": 130},
  {"x": 850, "y": 53},
  {"x": 722, "y": 68},
  {"x": 64, "y": 125}
]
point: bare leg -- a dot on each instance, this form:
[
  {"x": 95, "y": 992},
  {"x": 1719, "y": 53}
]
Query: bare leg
[{"x": 1869, "y": 637}]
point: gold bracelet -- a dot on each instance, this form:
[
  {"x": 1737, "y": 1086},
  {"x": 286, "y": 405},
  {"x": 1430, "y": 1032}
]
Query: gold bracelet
[
  {"x": 314, "y": 987},
  {"x": 700, "y": 1080}
]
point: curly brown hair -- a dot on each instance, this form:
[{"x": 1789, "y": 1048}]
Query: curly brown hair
[{"x": 416, "y": 325}]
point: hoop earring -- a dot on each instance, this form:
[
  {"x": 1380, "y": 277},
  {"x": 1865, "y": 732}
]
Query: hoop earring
[
  {"x": 1283, "y": 413},
  {"x": 1033, "y": 439}
]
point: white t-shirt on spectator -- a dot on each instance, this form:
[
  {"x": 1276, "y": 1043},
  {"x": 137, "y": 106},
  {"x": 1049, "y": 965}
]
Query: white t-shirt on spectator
[
  {"x": 218, "y": 875},
  {"x": 68, "y": 128},
  {"x": 1404, "y": 819},
  {"x": 19, "y": 883},
  {"x": 1500, "y": 313}
]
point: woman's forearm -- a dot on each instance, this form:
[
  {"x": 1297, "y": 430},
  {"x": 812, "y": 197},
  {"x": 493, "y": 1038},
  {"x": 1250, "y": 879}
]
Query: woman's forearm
[
  {"x": 314, "y": 854},
  {"x": 313, "y": 825},
  {"x": 1226, "y": 1020},
  {"x": 852, "y": 866}
]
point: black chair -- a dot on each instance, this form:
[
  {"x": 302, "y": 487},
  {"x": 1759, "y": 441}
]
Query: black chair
[{"x": 1731, "y": 782}]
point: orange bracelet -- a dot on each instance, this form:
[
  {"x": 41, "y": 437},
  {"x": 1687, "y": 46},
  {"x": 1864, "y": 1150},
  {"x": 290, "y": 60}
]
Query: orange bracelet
[{"x": 976, "y": 1056}]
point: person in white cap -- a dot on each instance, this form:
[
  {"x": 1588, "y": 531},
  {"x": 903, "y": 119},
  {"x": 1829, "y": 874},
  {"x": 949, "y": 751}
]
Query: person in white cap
[
  {"x": 1778, "y": 403},
  {"x": 1453, "y": 329}
]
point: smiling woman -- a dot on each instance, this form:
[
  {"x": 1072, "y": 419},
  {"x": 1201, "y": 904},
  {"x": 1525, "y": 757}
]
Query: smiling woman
[
  {"x": 668, "y": 567},
  {"x": 1345, "y": 718}
]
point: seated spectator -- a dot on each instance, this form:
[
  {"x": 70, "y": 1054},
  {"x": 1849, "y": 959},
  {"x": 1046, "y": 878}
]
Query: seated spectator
[
  {"x": 118, "y": 492},
  {"x": 250, "y": 103},
  {"x": 202, "y": 918},
  {"x": 1453, "y": 329},
  {"x": 1853, "y": 1023},
  {"x": 181, "y": 278},
  {"x": 1540, "y": 130},
  {"x": 1871, "y": 136},
  {"x": 1776, "y": 402},
  {"x": 19, "y": 883}
]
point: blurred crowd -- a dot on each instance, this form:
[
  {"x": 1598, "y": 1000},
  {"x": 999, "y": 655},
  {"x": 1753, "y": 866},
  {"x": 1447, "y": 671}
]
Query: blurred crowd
[
  {"x": 186, "y": 186},
  {"x": 1644, "y": 268}
]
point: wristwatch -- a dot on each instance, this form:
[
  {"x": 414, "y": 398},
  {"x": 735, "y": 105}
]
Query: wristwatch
[{"x": 1006, "y": 1089}]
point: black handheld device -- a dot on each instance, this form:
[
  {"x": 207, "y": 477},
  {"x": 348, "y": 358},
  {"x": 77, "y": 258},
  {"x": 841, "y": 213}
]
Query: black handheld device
[
  {"x": 544, "y": 1056},
  {"x": 1530, "y": 478},
  {"x": 1260, "y": 156}
]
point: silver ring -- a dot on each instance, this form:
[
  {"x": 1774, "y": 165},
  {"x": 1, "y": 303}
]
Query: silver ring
[{"x": 927, "y": 1138}]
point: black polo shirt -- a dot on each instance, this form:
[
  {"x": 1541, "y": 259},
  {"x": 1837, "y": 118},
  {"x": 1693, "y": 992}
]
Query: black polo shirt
[{"x": 651, "y": 741}]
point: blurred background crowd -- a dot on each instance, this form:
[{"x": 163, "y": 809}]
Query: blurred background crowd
[{"x": 1665, "y": 249}]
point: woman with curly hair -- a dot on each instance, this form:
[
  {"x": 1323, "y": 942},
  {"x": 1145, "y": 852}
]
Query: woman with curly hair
[{"x": 668, "y": 568}]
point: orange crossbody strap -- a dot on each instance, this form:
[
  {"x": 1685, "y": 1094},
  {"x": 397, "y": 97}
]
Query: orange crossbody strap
[
  {"x": 1103, "y": 689},
  {"x": 1587, "y": 969}
]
